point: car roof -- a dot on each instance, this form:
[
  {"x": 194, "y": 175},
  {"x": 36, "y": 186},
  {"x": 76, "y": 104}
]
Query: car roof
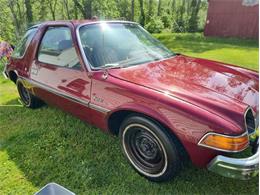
[{"x": 79, "y": 22}]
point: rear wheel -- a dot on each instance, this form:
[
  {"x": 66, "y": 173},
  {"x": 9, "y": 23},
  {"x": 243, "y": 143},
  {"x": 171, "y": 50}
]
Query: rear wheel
[
  {"x": 28, "y": 100},
  {"x": 149, "y": 148}
]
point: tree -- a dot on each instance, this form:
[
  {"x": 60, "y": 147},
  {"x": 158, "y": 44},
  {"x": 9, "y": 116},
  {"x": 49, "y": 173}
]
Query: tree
[
  {"x": 7, "y": 28},
  {"x": 179, "y": 24},
  {"x": 43, "y": 8},
  {"x": 132, "y": 9},
  {"x": 75, "y": 11},
  {"x": 29, "y": 14},
  {"x": 179, "y": 15},
  {"x": 88, "y": 9},
  {"x": 15, "y": 9},
  {"x": 142, "y": 15},
  {"x": 85, "y": 8},
  {"x": 193, "y": 19},
  {"x": 66, "y": 5},
  {"x": 122, "y": 6},
  {"x": 159, "y": 8},
  {"x": 173, "y": 6},
  {"x": 150, "y": 9},
  {"x": 52, "y": 5}
]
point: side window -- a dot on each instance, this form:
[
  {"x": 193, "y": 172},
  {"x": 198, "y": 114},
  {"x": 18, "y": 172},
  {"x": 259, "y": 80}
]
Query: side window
[
  {"x": 20, "y": 49},
  {"x": 57, "y": 49}
]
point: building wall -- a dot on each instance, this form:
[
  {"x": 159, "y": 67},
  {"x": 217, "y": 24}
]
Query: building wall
[{"x": 229, "y": 18}]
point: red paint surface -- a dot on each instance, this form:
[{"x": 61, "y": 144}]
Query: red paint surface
[
  {"x": 190, "y": 96},
  {"x": 229, "y": 18}
]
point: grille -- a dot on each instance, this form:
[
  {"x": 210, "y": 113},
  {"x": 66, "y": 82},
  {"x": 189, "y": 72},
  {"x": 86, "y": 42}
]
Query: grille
[{"x": 250, "y": 121}]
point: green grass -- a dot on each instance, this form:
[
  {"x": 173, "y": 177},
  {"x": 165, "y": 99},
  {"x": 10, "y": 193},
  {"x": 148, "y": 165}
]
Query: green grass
[
  {"x": 47, "y": 145},
  {"x": 233, "y": 51}
]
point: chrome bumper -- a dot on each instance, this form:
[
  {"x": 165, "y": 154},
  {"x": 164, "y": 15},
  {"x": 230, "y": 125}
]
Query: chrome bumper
[
  {"x": 5, "y": 73},
  {"x": 238, "y": 168}
]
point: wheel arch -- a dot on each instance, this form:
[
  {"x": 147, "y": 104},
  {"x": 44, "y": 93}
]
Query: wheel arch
[
  {"x": 115, "y": 119},
  {"x": 13, "y": 76}
]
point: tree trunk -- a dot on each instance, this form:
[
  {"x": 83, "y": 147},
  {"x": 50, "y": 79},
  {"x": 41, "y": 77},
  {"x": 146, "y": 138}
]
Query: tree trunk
[
  {"x": 132, "y": 10},
  {"x": 29, "y": 14},
  {"x": 80, "y": 7},
  {"x": 42, "y": 10},
  {"x": 52, "y": 5},
  {"x": 67, "y": 8},
  {"x": 159, "y": 8},
  {"x": 20, "y": 15},
  {"x": 198, "y": 7},
  {"x": 182, "y": 10},
  {"x": 193, "y": 18},
  {"x": 15, "y": 19},
  {"x": 173, "y": 6},
  {"x": 142, "y": 16},
  {"x": 88, "y": 9},
  {"x": 150, "y": 9},
  {"x": 75, "y": 11}
]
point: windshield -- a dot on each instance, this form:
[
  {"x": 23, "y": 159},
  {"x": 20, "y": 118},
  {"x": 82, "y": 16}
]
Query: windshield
[{"x": 120, "y": 44}]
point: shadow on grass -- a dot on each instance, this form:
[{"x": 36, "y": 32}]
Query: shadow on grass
[{"x": 49, "y": 145}]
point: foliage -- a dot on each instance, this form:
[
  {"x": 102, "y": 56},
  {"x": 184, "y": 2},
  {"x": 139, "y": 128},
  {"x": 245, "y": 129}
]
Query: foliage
[
  {"x": 178, "y": 15},
  {"x": 155, "y": 25},
  {"x": 189, "y": 16},
  {"x": 167, "y": 20},
  {"x": 7, "y": 29},
  {"x": 47, "y": 145}
]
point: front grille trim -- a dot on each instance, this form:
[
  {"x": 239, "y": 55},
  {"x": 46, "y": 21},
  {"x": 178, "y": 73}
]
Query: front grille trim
[{"x": 249, "y": 119}]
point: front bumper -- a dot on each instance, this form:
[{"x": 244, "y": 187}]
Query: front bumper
[
  {"x": 5, "y": 73},
  {"x": 238, "y": 168}
]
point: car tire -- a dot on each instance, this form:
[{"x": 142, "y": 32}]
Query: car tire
[
  {"x": 27, "y": 99},
  {"x": 149, "y": 148}
]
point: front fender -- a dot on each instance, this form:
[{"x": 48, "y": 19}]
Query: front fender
[{"x": 187, "y": 131}]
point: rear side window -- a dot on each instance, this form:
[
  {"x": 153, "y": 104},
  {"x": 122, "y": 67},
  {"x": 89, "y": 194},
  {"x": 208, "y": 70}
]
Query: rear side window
[
  {"x": 57, "y": 48},
  {"x": 20, "y": 49}
]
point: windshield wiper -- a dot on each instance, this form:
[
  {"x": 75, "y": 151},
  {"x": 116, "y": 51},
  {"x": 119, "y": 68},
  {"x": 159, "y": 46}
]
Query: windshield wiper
[{"x": 111, "y": 66}]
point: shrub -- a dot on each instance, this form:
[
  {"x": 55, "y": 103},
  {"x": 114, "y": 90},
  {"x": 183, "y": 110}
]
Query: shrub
[
  {"x": 155, "y": 25},
  {"x": 167, "y": 20}
]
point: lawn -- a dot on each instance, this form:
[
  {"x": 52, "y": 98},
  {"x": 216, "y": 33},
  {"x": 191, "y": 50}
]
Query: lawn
[{"x": 47, "y": 145}]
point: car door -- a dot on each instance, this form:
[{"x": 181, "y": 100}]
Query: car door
[{"x": 58, "y": 73}]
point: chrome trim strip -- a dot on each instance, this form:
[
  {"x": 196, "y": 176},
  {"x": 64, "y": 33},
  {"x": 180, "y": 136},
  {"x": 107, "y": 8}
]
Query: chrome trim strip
[
  {"x": 86, "y": 62},
  {"x": 257, "y": 120},
  {"x": 67, "y": 96},
  {"x": 4, "y": 71},
  {"x": 61, "y": 94},
  {"x": 5, "y": 75},
  {"x": 98, "y": 108},
  {"x": 238, "y": 168},
  {"x": 249, "y": 108},
  {"x": 222, "y": 150}
]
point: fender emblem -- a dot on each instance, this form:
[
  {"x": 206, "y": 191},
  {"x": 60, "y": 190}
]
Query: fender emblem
[{"x": 97, "y": 99}]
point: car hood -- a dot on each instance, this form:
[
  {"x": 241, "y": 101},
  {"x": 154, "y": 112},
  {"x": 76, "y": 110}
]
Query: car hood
[{"x": 212, "y": 85}]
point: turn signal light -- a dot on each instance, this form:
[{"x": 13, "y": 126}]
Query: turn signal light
[{"x": 224, "y": 142}]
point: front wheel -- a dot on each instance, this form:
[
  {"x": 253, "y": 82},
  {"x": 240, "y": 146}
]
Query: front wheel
[{"x": 149, "y": 148}]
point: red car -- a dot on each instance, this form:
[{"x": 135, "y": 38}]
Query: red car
[{"x": 166, "y": 107}]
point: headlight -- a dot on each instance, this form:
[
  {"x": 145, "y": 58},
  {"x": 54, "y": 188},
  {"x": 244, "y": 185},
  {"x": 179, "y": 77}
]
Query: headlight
[{"x": 224, "y": 142}]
